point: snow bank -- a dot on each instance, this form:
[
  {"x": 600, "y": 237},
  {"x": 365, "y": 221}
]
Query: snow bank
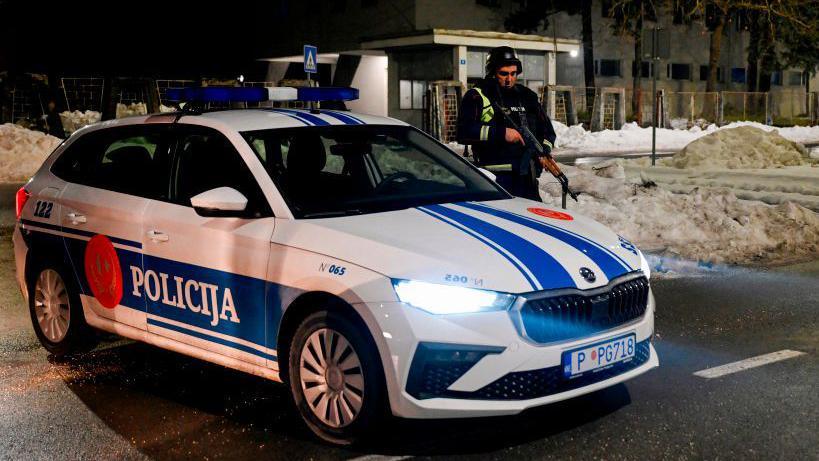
[
  {"x": 136, "y": 108},
  {"x": 741, "y": 147},
  {"x": 707, "y": 224},
  {"x": 631, "y": 137},
  {"x": 73, "y": 121},
  {"x": 22, "y": 151}
]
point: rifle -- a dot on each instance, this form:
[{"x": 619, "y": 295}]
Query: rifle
[{"x": 546, "y": 159}]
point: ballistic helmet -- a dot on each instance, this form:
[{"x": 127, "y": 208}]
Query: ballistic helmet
[{"x": 499, "y": 57}]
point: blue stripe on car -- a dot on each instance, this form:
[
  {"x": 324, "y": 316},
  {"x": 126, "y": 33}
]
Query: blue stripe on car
[
  {"x": 279, "y": 111},
  {"x": 213, "y": 339},
  {"x": 310, "y": 118},
  {"x": 611, "y": 265},
  {"x": 488, "y": 243},
  {"x": 68, "y": 230},
  {"x": 346, "y": 118},
  {"x": 547, "y": 270}
]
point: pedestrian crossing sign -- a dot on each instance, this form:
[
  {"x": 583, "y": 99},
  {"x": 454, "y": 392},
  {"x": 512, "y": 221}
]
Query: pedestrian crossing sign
[{"x": 310, "y": 59}]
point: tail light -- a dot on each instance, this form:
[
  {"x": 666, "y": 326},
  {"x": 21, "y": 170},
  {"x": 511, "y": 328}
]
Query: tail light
[{"x": 20, "y": 200}]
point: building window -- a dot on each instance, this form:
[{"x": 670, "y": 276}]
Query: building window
[
  {"x": 776, "y": 78},
  {"x": 411, "y": 94},
  {"x": 678, "y": 71},
  {"x": 645, "y": 69},
  {"x": 607, "y": 68},
  {"x": 737, "y": 75},
  {"x": 794, "y": 78},
  {"x": 704, "y": 73}
]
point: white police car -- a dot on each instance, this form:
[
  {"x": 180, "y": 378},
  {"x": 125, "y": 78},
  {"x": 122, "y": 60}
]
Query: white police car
[{"x": 350, "y": 256}]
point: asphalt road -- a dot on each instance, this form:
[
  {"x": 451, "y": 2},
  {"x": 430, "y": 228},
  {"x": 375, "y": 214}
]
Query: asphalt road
[{"x": 131, "y": 401}]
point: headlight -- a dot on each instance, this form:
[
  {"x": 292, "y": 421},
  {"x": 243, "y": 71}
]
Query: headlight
[
  {"x": 644, "y": 265},
  {"x": 445, "y": 299}
]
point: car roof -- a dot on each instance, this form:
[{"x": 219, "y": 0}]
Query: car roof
[{"x": 258, "y": 119}]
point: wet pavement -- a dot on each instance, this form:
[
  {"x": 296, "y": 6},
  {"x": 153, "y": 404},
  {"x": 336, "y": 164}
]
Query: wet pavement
[{"x": 126, "y": 400}]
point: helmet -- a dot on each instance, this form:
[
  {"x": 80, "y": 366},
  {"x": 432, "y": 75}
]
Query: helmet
[{"x": 502, "y": 56}]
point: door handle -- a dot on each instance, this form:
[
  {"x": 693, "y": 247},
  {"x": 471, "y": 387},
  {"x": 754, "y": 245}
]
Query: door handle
[
  {"x": 157, "y": 236},
  {"x": 76, "y": 218}
]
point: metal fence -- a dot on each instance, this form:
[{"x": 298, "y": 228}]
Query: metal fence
[
  {"x": 83, "y": 93},
  {"x": 678, "y": 109},
  {"x": 686, "y": 109}
]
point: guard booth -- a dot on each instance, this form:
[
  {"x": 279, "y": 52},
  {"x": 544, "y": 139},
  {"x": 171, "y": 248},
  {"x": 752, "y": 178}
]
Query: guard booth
[{"x": 419, "y": 62}]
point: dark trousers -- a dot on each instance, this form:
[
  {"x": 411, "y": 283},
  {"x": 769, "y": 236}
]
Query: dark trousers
[{"x": 519, "y": 185}]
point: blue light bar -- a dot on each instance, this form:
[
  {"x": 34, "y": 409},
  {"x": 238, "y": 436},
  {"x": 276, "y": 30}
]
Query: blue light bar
[
  {"x": 327, "y": 93},
  {"x": 218, "y": 94},
  {"x": 256, "y": 94}
]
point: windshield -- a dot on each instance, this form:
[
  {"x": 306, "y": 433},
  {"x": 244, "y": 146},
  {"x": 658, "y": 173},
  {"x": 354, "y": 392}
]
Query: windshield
[{"x": 342, "y": 170}]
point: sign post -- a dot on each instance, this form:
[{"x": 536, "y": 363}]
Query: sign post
[{"x": 310, "y": 66}]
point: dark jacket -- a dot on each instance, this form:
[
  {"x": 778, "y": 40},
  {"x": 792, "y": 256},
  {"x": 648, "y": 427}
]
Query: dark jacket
[{"x": 494, "y": 150}]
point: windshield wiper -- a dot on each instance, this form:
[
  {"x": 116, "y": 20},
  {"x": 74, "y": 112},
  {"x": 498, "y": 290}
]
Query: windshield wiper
[{"x": 331, "y": 214}]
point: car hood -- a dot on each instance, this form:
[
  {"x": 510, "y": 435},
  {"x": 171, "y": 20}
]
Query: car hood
[{"x": 513, "y": 245}]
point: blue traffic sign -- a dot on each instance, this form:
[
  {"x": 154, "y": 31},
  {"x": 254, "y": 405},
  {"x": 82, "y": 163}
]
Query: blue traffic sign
[{"x": 310, "y": 59}]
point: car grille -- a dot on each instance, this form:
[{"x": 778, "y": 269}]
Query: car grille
[
  {"x": 525, "y": 385},
  {"x": 577, "y": 314}
]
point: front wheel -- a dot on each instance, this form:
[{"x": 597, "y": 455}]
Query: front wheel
[{"x": 336, "y": 378}]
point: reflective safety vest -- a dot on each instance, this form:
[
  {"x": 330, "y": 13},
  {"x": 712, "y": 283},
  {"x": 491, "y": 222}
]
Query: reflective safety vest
[{"x": 487, "y": 111}]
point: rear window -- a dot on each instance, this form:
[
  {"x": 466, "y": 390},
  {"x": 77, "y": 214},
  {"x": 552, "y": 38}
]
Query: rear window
[{"x": 132, "y": 160}]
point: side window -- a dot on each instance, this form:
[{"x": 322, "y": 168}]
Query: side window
[
  {"x": 79, "y": 161},
  {"x": 206, "y": 160},
  {"x": 127, "y": 159}
]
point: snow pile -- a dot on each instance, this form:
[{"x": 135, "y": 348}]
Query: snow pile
[
  {"x": 631, "y": 137},
  {"x": 73, "y": 121},
  {"x": 136, "y": 108},
  {"x": 163, "y": 108},
  {"x": 22, "y": 151},
  {"x": 741, "y": 147},
  {"x": 707, "y": 224}
]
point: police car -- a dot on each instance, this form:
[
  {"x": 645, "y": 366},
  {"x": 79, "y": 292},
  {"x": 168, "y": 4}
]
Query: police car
[{"x": 350, "y": 256}]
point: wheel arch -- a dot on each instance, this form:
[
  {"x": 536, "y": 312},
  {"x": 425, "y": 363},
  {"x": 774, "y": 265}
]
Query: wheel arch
[{"x": 304, "y": 305}]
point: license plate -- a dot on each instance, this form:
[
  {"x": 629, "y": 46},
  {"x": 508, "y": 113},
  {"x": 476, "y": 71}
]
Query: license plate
[{"x": 599, "y": 355}]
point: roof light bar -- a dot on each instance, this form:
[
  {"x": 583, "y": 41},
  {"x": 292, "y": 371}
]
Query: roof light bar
[{"x": 257, "y": 94}]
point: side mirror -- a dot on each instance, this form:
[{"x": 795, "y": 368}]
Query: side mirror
[
  {"x": 488, "y": 174},
  {"x": 220, "y": 202}
]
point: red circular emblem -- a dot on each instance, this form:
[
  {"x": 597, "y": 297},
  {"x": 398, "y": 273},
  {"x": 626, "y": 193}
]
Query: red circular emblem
[
  {"x": 103, "y": 271},
  {"x": 547, "y": 213}
]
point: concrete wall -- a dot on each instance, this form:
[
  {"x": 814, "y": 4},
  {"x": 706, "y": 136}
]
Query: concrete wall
[{"x": 371, "y": 81}]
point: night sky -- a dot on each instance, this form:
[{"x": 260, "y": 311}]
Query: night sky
[{"x": 145, "y": 38}]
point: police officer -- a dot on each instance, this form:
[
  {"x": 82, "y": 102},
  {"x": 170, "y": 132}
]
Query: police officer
[{"x": 495, "y": 145}]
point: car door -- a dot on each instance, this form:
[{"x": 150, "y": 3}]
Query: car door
[
  {"x": 204, "y": 277},
  {"x": 111, "y": 176}
]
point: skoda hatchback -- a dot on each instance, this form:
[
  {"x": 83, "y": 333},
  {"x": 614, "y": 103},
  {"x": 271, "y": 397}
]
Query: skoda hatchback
[{"x": 352, "y": 257}]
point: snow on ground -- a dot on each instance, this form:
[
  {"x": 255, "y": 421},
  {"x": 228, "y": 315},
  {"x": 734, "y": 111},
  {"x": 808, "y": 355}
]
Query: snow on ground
[
  {"x": 73, "y": 121},
  {"x": 710, "y": 225},
  {"x": 741, "y": 147},
  {"x": 136, "y": 108},
  {"x": 631, "y": 137},
  {"x": 22, "y": 151},
  {"x": 754, "y": 164}
]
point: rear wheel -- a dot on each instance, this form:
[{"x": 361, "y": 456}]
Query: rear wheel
[
  {"x": 56, "y": 313},
  {"x": 336, "y": 378}
]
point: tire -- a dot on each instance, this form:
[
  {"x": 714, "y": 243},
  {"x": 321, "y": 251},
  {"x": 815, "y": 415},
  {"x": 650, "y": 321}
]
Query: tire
[
  {"x": 56, "y": 312},
  {"x": 345, "y": 402}
]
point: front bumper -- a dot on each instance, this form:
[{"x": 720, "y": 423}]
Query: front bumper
[{"x": 504, "y": 373}]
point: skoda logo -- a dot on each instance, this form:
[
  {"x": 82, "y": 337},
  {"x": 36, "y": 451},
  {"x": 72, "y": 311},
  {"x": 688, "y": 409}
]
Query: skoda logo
[{"x": 587, "y": 274}]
